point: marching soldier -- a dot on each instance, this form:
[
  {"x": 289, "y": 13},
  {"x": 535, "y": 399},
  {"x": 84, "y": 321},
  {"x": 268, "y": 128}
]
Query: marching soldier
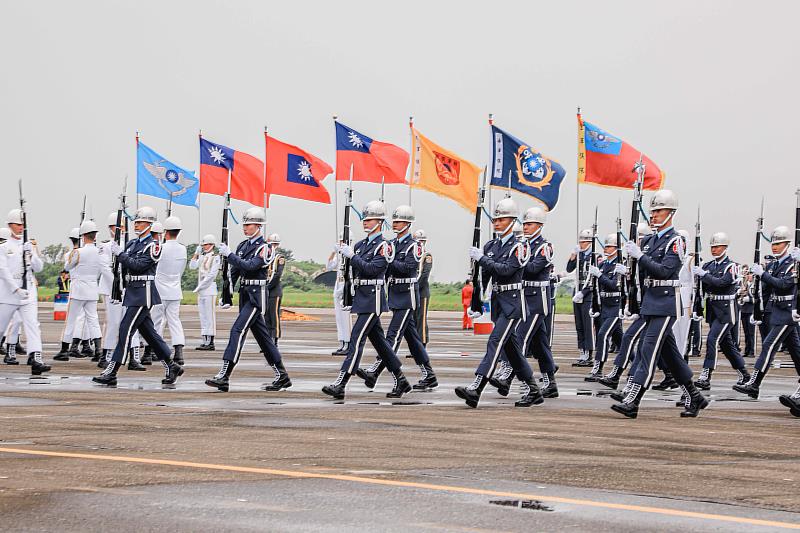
[
  {"x": 275, "y": 288},
  {"x": 342, "y": 315},
  {"x": 659, "y": 261},
  {"x": 168, "y": 282},
  {"x": 745, "y": 299},
  {"x": 139, "y": 259},
  {"x": 502, "y": 261},
  {"x": 579, "y": 263},
  {"x": 156, "y": 231},
  {"x": 401, "y": 277},
  {"x": 69, "y": 345},
  {"x": 720, "y": 280},
  {"x": 764, "y": 327},
  {"x": 609, "y": 292},
  {"x": 249, "y": 264},
  {"x": 782, "y": 282},
  {"x": 9, "y": 352},
  {"x": 19, "y": 261},
  {"x": 206, "y": 262},
  {"x": 369, "y": 260},
  {"x": 425, "y": 267},
  {"x": 84, "y": 266}
]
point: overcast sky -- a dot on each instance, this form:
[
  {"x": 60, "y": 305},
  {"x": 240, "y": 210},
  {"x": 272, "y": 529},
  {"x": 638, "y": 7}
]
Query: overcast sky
[{"x": 707, "y": 89}]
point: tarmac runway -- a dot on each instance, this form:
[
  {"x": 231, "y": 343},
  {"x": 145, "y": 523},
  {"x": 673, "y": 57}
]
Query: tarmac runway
[{"x": 144, "y": 457}]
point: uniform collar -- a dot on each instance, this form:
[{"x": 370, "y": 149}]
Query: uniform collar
[
  {"x": 403, "y": 238},
  {"x": 252, "y": 240},
  {"x": 663, "y": 232},
  {"x": 504, "y": 240},
  {"x": 372, "y": 236}
]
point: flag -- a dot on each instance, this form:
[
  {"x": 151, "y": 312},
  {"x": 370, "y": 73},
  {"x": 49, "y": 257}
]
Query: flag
[
  {"x": 294, "y": 172},
  {"x": 528, "y": 171},
  {"x": 247, "y": 172},
  {"x": 370, "y": 159},
  {"x": 606, "y": 160},
  {"x": 442, "y": 172},
  {"x": 155, "y": 176}
]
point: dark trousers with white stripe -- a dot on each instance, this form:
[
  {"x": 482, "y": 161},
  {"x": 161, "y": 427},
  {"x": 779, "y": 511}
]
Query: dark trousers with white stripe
[
  {"x": 535, "y": 335},
  {"x": 627, "y": 347},
  {"x": 779, "y": 334},
  {"x": 273, "y": 317},
  {"x": 695, "y": 340},
  {"x": 403, "y": 325},
  {"x": 251, "y": 318},
  {"x": 609, "y": 330},
  {"x": 505, "y": 337},
  {"x": 749, "y": 331},
  {"x": 138, "y": 318},
  {"x": 720, "y": 338},
  {"x": 765, "y": 327},
  {"x": 584, "y": 325},
  {"x": 368, "y": 326},
  {"x": 657, "y": 341}
]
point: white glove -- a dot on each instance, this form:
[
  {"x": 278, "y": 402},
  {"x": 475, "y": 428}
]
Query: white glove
[
  {"x": 224, "y": 249},
  {"x": 619, "y": 268},
  {"x": 22, "y": 293},
  {"x": 27, "y": 247},
  {"x": 756, "y": 269},
  {"x": 222, "y": 305},
  {"x": 634, "y": 317},
  {"x": 632, "y": 249},
  {"x": 795, "y": 316},
  {"x": 346, "y": 250},
  {"x": 115, "y": 248},
  {"x": 795, "y": 253},
  {"x": 473, "y": 314},
  {"x": 475, "y": 253},
  {"x": 698, "y": 271},
  {"x": 594, "y": 271},
  {"x": 578, "y": 298},
  {"x": 754, "y": 321},
  {"x": 577, "y": 249}
]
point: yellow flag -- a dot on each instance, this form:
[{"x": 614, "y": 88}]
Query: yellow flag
[{"x": 440, "y": 171}]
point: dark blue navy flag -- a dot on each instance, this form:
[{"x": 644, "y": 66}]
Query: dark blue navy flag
[
  {"x": 528, "y": 170},
  {"x": 155, "y": 176}
]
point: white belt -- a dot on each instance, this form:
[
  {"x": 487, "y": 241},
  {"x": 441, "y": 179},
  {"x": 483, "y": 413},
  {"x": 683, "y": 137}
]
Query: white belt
[
  {"x": 402, "y": 280},
  {"x": 718, "y": 297},
  {"x": 259, "y": 282},
  {"x": 610, "y": 294},
  {"x": 662, "y": 282},
  {"x": 535, "y": 283},
  {"x": 787, "y": 298},
  {"x": 363, "y": 282},
  {"x": 141, "y": 278},
  {"x": 505, "y": 288}
]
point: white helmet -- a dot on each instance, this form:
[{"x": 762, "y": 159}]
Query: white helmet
[
  {"x": 517, "y": 228},
  {"x": 112, "y": 218},
  {"x": 780, "y": 234},
  {"x": 585, "y": 235},
  {"x": 14, "y": 216},
  {"x": 611, "y": 240},
  {"x": 505, "y": 208},
  {"x": 535, "y": 214},
  {"x": 209, "y": 239},
  {"x": 643, "y": 229},
  {"x": 88, "y": 226},
  {"x": 254, "y": 215},
  {"x": 720, "y": 239},
  {"x": 74, "y": 233},
  {"x": 374, "y": 210},
  {"x": 5, "y": 234},
  {"x": 145, "y": 214},
  {"x": 173, "y": 223},
  {"x": 274, "y": 238},
  {"x": 664, "y": 199},
  {"x": 157, "y": 227},
  {"x": 403, "y": 213},
  {"x": 420, "y": 235}
]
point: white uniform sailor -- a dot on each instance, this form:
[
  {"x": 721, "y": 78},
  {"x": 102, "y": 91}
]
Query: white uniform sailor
[
  {"x": 168, "y": 283},
  {"x": 343, "y": 323},
  {"x": 207, "y": 264}
]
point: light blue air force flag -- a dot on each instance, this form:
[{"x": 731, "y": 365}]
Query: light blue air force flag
[{"x": 155, "y": 176}]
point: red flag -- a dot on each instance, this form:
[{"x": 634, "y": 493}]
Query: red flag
[
  {"x": 247, "y": 172},
  {"x": 607, "y": 160},
  {"x": 370, "y": 159},
  {"x": 294, "y": 172}
]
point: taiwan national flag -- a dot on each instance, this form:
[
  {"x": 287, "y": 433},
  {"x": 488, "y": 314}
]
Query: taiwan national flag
[
  {"x": 607, "y": 160},
  {"x": 247, "y": 173},
  {"x": 294, "y": 172},
  {"x": 370, "y": 159}
]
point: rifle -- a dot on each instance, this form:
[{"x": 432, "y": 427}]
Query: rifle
[
  {"x": 118, "y": 285},
  {"x": 758, "y": 304},
  {"x": 593, "y": 261},
  {"x": 631, "y": 278},
  {"x": 618, "y": 260},
  {"x": 476, "y": 303},
  {"x": 226, "y": 299},
  {"x": 347, "y": 280},
  {"x": 797, "y": 263},
  {"x": 24, "y": 285},
  {"x": 83, "y": 211},
  {"x": 697, "y": 309}
]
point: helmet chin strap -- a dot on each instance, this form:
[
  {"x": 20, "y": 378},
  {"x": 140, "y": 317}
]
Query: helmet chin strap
[
  {"x": 720, "y": 256},
  {"x": 784, "y": 252},
  {"x": 661, "y": 225},
  {"x": 406, "y": 227},
  {"x": 509, "y": 228},
  {"x": 139, "y": 233},
  {"x": 534, "y": 234},
  {"x": 375, "y": 228}
]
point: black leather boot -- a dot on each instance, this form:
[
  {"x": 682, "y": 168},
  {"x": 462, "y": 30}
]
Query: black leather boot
[
  {"x": 172, "y": 371},
  {"x": 98, "y": 349},
  {"x": 147, "y": 357},
  {"x": 74, "y": 348},
  {"x": 177, "y": 354},
  {"x": 221, "y": 381},
  {"x": 751, "y": 388},
  {"x": 549, "y": 387},
  {"x": 704, "y": 381},
  {"x": 502, "y": 384},
  {"x": 109, "y": 375},
  {"x": 133, "y": 360},
  {"x": 281, "y": 381},
  {"x": 63, "y": 354},
  {"x": 694, "y": 401},
  {"x": 401, "y": 386},
  {"x": 629, "y": 406},
  {"x": 596, "y": 374},
  {"x": 86, "y": 349},
  {"x": 337, "y": 388},
  {"x": 611, "y": 380},
  {"x": 667, "y": 383},
  {"x": 472, "y": 393},
  {"x": 37, "y": 366},
  {"x": 532, "y": 397},
  {"x": 428, "y": 381}
]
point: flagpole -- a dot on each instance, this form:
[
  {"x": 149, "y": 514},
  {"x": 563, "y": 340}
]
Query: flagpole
[
  {"x": 491, "y": 123},
  {"x": 335, "y": 192},
  {"x": 199, "y": 218},
  {"x": 265, "y": 168},
  {"x": 413, "y": 156},
  {"x": 137, "y": 170},
  {"x": 578, "y": 183}
]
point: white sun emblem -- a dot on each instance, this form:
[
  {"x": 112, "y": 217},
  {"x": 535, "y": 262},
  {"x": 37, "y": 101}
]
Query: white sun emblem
[
  {"x": 217, "y": 155},
  {"x": 355, "y": 140},
  {"x": 304, "y": 171}
]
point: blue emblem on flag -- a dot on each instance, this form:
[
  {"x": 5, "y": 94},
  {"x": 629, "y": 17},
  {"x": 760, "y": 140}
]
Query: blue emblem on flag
[
  {"x": 155, "y": 176},
  {"x": 350, "y": 139},
  {"x": 601, "y": 141},
  {"x": 298, "y": 170}
]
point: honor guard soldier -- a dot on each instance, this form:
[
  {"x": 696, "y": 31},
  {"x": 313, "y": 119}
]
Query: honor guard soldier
[
  {"x": 69, "y": 345},
  {"x": 720, "y": 282},
  {"x": 249, "y": 264},
  {"x": 340, "y": 312},
  {"x": 139, "y": 260},
  {"x": 206, "y": 262},
  {"x": 168, "y": 282},
  {"x": 425, "y": 267},
  {"x": 502, "y": 261},
  {"x": 746, "y": 305},
  {"x": 19, "y": 261},
  {"x": 84, "y": 267},
  {"x": 659, "y": 261},
  {"x": 404, "y": 299},
  {"x": 369, "y": 260},
  {"x": 157, "y": 231},
  {"x": 275, "y": 288},
  {"x": 610, "y": 291},
  {"x": 534, "y": 332},
  {"x": 579, "y": 263},
  {"x": 782, "y": 281}
]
